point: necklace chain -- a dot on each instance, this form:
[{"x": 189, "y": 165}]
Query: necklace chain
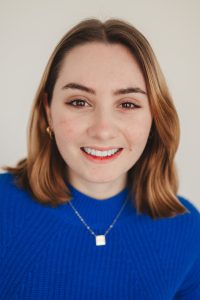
[{"x": 100, "y": 239}]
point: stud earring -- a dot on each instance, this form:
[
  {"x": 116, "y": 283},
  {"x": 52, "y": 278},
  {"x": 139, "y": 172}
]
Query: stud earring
[{"x": 50, "y": 132}]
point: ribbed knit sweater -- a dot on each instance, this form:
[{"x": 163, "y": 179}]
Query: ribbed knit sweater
[{"x": 48, "y": 253}]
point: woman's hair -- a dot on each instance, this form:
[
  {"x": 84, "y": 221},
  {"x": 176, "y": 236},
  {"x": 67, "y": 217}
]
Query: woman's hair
[{"x": 152, "y": 180}]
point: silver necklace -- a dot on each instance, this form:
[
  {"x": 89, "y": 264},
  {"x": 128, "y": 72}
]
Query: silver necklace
[{"x": 99, "y": 239}]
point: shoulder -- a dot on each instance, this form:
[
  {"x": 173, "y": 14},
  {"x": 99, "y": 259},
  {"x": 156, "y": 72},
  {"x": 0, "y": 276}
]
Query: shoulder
[
  {"x": 8, "y": 187},
  {"x": 189, "y": 205},
  {"x": 7, "y": 184},
  {"x": 182, "y": 229},
  {"x": 9, "y": 193},
  {"x": 185, "y": 228},
  {"x": 12, "y": 210},
  {"x": 5, "y": 179},
  {"x": 17, "y": 206},
  {"x": 190, "y": 220},
  {"x": 12, "y": 197},
  {"x": 190, "y": 231},
  {"x": 192, "y": 216}
]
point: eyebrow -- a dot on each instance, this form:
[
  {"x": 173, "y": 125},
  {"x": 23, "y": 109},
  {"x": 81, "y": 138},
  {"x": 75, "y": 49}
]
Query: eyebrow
[{"x": 73, "y": 85}]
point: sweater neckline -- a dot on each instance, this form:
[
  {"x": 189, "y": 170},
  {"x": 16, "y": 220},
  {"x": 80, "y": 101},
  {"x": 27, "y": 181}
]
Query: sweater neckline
[{"x": 98, "y": 211}]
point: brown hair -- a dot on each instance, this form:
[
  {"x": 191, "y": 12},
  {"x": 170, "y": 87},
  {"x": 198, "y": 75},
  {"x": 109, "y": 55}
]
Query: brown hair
[{"x": 153, "y": 179}]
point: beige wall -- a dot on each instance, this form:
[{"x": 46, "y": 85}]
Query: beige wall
[{"x": 29, "y": 30}]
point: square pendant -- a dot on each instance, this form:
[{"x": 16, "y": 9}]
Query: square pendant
[{"x": 100, "y": 240}]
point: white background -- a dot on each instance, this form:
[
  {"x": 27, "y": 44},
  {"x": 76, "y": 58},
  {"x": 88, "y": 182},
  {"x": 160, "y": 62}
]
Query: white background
[{"x": 29, "y": 31}]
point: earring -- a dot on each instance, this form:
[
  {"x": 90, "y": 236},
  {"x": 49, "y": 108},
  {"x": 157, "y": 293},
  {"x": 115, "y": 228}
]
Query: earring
[{"x": 50, "y": 132}]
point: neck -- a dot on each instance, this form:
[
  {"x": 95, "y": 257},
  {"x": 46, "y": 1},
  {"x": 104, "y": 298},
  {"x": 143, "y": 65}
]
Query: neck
[
  {"x": 95, "y": 211},
  {"x": 99, "y": 190}
]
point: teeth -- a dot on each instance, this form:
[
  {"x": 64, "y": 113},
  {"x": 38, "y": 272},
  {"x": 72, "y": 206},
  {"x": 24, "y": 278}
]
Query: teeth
[{"x": 100, "y": 153}]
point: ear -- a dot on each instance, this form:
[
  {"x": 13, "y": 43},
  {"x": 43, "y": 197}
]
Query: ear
[{"x": 47, "y": 109}]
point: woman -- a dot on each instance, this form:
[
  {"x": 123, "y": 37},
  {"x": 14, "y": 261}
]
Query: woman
[{"x": 92, "y": 212}]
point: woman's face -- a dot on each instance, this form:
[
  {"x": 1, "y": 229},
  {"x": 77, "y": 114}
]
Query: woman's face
[{"x": 97, "y": 111}]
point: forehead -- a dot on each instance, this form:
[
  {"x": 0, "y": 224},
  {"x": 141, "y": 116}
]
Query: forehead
[{"x": 103, "y": 63}]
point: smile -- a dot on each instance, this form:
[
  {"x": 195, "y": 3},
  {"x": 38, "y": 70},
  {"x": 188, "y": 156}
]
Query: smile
[{"x": 96, "y": 155}]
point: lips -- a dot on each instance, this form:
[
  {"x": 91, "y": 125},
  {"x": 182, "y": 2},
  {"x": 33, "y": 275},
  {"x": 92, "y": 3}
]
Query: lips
[
  {"x": 102, "y": 151},
  {"x": 101, "y": 148},
  {"x": 101, "y": 159}
]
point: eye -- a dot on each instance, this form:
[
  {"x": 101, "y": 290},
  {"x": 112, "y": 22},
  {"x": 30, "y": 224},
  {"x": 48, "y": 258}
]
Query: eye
[
  {"x": 130, "y": 105},
  {"x": 79, "y": 102}
]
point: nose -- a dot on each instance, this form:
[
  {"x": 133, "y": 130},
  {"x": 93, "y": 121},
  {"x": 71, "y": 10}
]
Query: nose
[{"x": 103, "y": 126}]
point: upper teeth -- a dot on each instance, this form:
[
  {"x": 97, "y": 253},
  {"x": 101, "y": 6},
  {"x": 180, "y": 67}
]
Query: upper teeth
[{"x": 101, "y": 153}]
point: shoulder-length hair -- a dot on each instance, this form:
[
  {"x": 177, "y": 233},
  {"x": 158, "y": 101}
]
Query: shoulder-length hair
[{"x": 152, "y": 180}]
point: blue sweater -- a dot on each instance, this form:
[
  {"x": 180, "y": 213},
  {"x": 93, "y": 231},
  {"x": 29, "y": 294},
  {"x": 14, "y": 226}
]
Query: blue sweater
[{"x": 48, "y": 254}]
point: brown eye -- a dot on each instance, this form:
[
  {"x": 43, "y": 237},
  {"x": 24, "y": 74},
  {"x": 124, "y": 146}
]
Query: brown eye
[
  {"x": 130, "y": 105},
  {"x": 79, "y": 102}
]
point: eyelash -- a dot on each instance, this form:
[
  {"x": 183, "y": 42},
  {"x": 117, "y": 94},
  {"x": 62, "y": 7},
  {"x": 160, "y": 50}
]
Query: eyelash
[{"x": 70, "y": 103}]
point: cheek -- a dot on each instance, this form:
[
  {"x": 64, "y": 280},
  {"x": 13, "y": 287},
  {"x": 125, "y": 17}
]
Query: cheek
[
  {"x": 137, "y": 134},
  {"x": 63, "y": 123},
  {"x": 139, "y": 130},
  {"x": 65, "y": 130},
  {"x": 142, "y": 133}
]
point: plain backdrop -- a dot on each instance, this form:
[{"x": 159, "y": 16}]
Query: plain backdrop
[{"x": 29, "y": 31}]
